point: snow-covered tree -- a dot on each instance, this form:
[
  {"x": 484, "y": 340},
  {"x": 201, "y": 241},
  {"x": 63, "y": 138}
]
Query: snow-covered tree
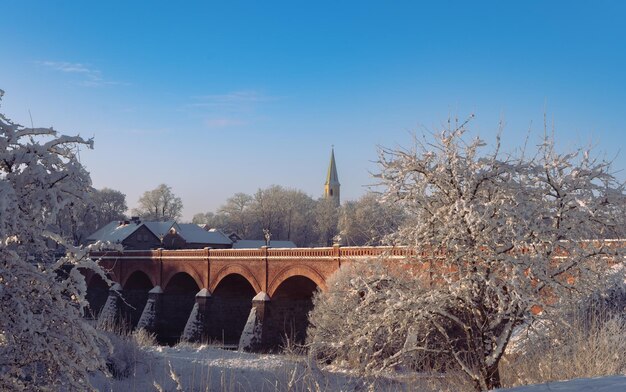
[
  {"x": 362, "y": 320},
  {"x": 44, "y": 342},
  {"x": 505, "y": 235},
  {"x": 211, "y": 219},
  {"x": 159, "y": 204}
]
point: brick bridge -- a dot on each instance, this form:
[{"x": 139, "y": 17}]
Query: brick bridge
[{"x": 253, "y": 298}]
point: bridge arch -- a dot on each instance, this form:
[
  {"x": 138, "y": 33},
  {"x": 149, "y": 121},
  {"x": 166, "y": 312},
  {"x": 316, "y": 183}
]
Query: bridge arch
[
  {"x": 238, "y": 269},
  {"x": 97, "y": 293},
  {"x": 291, "y": 301},
  {"x": 186, "y": 269},
  {"x": 231, "y": 303},
  {"x": 179, "y": 297},
  {"x": 135, "y": 292},
  {"x": 293, "y": 271},
  {"x": 91, "y": 277},
  {"x": 147, "y": 272}
]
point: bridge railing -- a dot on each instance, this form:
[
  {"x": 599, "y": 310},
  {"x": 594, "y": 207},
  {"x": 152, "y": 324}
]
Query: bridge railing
[
  {"x": 301, "y": 253},
  {"x": 335, "y": 253},
  {"x": 325, "y": 253}
]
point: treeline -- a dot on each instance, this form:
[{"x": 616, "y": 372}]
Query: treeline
[
  {"x": 290, "y": 214},
  {"x": 78, "y": 220},
  {"x": 286, "y": 213}
]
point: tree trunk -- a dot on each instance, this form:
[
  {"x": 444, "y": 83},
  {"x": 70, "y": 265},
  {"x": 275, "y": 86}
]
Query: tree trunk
[{"x": 493, "y": 377}]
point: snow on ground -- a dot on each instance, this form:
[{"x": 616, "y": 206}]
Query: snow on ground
[
  {"x": 204, "y": 368},
  {"x": 599, "y": 384}
]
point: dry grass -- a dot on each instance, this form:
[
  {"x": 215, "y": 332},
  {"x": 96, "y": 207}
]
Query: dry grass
[
  {"x": 579, "y": 349},
  {"x": 143, "y": 338}
]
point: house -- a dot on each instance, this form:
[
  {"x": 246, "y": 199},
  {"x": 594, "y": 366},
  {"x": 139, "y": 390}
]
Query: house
[
  {"x": 131, "y": 234},
  {"x": 137, "y": 235}
]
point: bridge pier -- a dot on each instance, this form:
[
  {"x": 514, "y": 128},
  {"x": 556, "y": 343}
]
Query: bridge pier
[
  {"x": 197, "y": 328},
  {"x": 112, "y": 309},
  {"x": 255, "y": 333},
  {"x": 151, "y": 314}
]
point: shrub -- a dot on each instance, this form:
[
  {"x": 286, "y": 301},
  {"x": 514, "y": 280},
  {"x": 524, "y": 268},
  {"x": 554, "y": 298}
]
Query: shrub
[
  {"x": 121, "y": 356},
  {"x": 587, "y": 341},
  {"x": 367, "y": 321}
]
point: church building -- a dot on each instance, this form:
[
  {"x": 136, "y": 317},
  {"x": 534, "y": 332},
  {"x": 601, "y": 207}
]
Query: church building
[{"x": 331, "y": 187}]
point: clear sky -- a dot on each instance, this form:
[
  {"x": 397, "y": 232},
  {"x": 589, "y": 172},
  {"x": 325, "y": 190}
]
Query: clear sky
[{"x": 214, "y": 98}]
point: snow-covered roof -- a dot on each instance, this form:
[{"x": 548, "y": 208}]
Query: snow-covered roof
[
  {"x": 245, "y": 244},
  {"x": 193, "y": 233},
  {"x": 115, "y": 232},
  {"x": 160, "y": 229}
]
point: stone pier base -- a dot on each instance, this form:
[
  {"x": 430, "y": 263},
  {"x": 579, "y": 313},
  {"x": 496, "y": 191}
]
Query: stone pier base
[
  {"x": 149, "y": 319},
  {"x": 196, "y": 329},
  {"x": 111, "y": 311},
  {"x": 255, "y": 328}
]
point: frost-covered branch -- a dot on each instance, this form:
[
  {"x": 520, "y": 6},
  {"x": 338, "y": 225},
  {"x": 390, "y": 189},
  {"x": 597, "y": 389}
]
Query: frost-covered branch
[
  {"x": 513, "y": 234},
  {"x": 45, "y": 344}
]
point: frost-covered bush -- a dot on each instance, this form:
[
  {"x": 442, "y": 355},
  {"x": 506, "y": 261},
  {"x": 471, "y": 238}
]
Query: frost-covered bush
[
  {"x": 121, "y": 354},
  {"x": 608, "y": 301},
  {"x": 588, "y": 340},
  {"x": 510, "y": 236},
  {"x": 367, "y": 320},
  {"x": 45, "y": 344}
]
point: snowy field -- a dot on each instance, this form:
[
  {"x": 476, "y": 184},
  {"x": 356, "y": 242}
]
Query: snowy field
[{"x": 204, "y": 368}]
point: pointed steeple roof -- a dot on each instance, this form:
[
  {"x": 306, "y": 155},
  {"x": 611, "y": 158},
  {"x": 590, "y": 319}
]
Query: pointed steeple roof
[{"x": 332, "y": 177}]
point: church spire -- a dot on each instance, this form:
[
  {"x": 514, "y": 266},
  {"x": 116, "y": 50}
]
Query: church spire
[{"x": 331, "y": 187}]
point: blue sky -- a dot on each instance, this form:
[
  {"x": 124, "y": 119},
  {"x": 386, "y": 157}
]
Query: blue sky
[{"x": 214, "y": 98}]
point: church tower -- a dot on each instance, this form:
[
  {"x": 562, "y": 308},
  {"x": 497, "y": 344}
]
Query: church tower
[{"x": 331, "y": 187}]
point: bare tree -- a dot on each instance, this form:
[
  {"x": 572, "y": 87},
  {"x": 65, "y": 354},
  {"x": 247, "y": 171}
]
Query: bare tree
[
  {"x": 326, "y": 221},
  {"x": 213, "y": 220},
  {"x": 109, "y": 205},
  {"x": 512, "y": 234},
  {"x": 76, "y": 221},
  {"x": 268, "y": 209},
  {"x": 287, "y": 213},
  {"x": 368, "y": 221},
  {"x": 299, "y": 215},
  {"x": 159, "y": 204},
  {"x": 202, "y": 218},
  {"x": 237, "y": 212}
]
